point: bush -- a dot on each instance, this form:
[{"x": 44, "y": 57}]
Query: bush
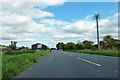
[
  {"x": 30, "y": 51},
  {"x": 19, "y": 52},
  {"x": 33, "y": 60}
]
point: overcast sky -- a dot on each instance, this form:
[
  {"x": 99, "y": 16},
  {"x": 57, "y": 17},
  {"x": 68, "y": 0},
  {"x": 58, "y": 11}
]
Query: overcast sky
[{"x": 59, "y": 21}]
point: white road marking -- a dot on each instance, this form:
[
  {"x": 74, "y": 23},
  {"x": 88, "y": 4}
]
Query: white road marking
[
  {"x": 69, "y": 55},
  {"x": 115, "y": 70},
  {"x": 89, "y": 61}
]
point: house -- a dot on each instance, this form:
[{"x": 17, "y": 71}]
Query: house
[{"x": 39, "y": 46}]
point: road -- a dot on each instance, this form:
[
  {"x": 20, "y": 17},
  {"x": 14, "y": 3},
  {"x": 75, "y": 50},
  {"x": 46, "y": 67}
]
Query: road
[{"x": 63, "y": 64}]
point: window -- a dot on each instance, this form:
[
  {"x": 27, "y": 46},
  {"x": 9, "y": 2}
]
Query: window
[{"x": 39, "y": 46}]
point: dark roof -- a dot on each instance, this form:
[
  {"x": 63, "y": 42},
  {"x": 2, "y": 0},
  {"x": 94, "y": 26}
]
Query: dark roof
[{"x": 37, "y": 43}]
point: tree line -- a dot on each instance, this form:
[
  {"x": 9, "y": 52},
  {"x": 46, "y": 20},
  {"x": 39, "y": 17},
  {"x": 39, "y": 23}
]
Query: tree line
[{"x": 107, "y": 43}]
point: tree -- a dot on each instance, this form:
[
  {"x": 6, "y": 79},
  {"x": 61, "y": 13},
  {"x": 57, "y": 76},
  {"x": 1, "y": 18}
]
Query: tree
[
  {"x": 109, "y": 42},
  {"x": 23, "y": 48},
  {"x": 60, "y": 45},
  {"x": 79, "y": 46},
  {"x": 66, "y": 47},
  {"x": 102, "y": 44},
  {"x": 53, "y": 48},
  {"x": 71, "y": 46},
  {"x": 13, "y": 45},
  {"x": 88, "y": 44}
]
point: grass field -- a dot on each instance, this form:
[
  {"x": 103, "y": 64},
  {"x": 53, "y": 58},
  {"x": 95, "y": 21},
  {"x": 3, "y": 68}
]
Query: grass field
[
  {"x": 106, "y": 53},
  {"x": 13, "y": 64}
]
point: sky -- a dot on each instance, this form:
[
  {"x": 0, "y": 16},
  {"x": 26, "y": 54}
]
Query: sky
[{"x": 59, "y": 21}]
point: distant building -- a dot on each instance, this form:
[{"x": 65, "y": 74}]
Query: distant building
[{"x": 39, "y": 46}]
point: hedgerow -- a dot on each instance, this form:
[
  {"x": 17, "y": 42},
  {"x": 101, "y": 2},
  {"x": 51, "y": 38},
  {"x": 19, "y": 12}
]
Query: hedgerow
[{"x": 19, "y": 52}]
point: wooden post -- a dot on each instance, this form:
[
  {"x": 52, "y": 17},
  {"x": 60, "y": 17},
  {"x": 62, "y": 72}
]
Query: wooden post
[{"x": 97, "y": 16}]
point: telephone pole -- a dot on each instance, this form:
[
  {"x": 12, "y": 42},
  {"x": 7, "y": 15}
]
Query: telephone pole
[{"x": 96, "y": 17}]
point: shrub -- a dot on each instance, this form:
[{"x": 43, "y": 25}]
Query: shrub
[
  {"x": 30, "y": 51},
  {"x": 19, "y": 52}
]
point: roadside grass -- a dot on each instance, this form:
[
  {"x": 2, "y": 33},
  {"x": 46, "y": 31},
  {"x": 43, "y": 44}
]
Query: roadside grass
[
  {"x": 106, "y": 53},
  {"x": 13, "y": 64}
]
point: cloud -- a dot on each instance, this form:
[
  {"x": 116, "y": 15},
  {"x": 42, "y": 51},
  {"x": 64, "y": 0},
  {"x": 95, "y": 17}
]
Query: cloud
[
  {"x": 66, "y": 36},
  {"x": 40, "y": 3},
  {"x": 80, "y": 27},
  {"x": 53, "y": 22},
  {"x": 14, "y": 26},
  {"x": 28, "y": 8},
  {"x": 18, "y": 24},
  {"x": 14, "y": 19},
  {"x": 36, "y": 13},
  {"x": 86, "y": 29},
  {"x": 17, "y": 18},
  {"x": 109, "y": 26},
  {"x": 88, "y": 17}
]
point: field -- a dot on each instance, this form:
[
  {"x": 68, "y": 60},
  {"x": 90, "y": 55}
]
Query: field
[
  {"x": 106, "y": 53},
  {"x": 13, "y": 64}
]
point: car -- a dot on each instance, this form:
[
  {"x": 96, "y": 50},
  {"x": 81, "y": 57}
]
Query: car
[{"x": 59, "y": 49}]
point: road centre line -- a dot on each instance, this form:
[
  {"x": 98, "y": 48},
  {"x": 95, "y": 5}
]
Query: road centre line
[
  {"x": 89, "y": 61},
  {"x": 86, "y": 61},
  {"x": 69, "y": 54}
]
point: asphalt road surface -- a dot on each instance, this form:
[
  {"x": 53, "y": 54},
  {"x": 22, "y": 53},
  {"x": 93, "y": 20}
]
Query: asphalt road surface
[{"x": 63, "y": 64}]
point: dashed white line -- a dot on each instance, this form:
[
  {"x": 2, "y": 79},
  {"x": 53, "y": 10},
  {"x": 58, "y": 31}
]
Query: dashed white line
[
  {"x": 89, "y": 61},
  {"x": 69, "y": 55},
  {"x": 115, "y": 70}
]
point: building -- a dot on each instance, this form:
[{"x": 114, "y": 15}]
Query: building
[{"x": 39, "y": 46}]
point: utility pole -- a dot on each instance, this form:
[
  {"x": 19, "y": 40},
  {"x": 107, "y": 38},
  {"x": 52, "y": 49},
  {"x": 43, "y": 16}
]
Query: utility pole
[{"x": 96, "y": 17}]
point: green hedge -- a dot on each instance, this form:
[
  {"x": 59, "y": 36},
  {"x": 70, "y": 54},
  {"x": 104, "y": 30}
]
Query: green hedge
[
  {"x": 106, "y": 53},
  {"x": 19, "y": 52}
]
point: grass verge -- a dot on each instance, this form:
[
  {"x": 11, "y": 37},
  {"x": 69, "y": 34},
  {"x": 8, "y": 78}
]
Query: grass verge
[
  {"x": 13, "y": 64},
  {"x": 106, "y": 53}
]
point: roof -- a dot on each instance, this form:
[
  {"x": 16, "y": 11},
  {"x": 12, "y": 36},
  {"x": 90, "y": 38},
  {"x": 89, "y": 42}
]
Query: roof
[{"x": 37, "y": 44}]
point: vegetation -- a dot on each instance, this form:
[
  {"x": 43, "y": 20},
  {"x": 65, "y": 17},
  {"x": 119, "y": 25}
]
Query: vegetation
[
  {"x": 53, "y": 49},
  {"x": 13, "y": 64},
  {"x": 23, "y": 47},
  {"x": 109, "y": 46},
  {"x": 106, "y": 53},
  {"x": 107, "y": 43},
  {"x": 13, "y": 45},
  {"x": 19, "y": 52}
]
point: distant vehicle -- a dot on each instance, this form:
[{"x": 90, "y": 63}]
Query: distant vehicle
[{"x": 59, "y": 49}]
